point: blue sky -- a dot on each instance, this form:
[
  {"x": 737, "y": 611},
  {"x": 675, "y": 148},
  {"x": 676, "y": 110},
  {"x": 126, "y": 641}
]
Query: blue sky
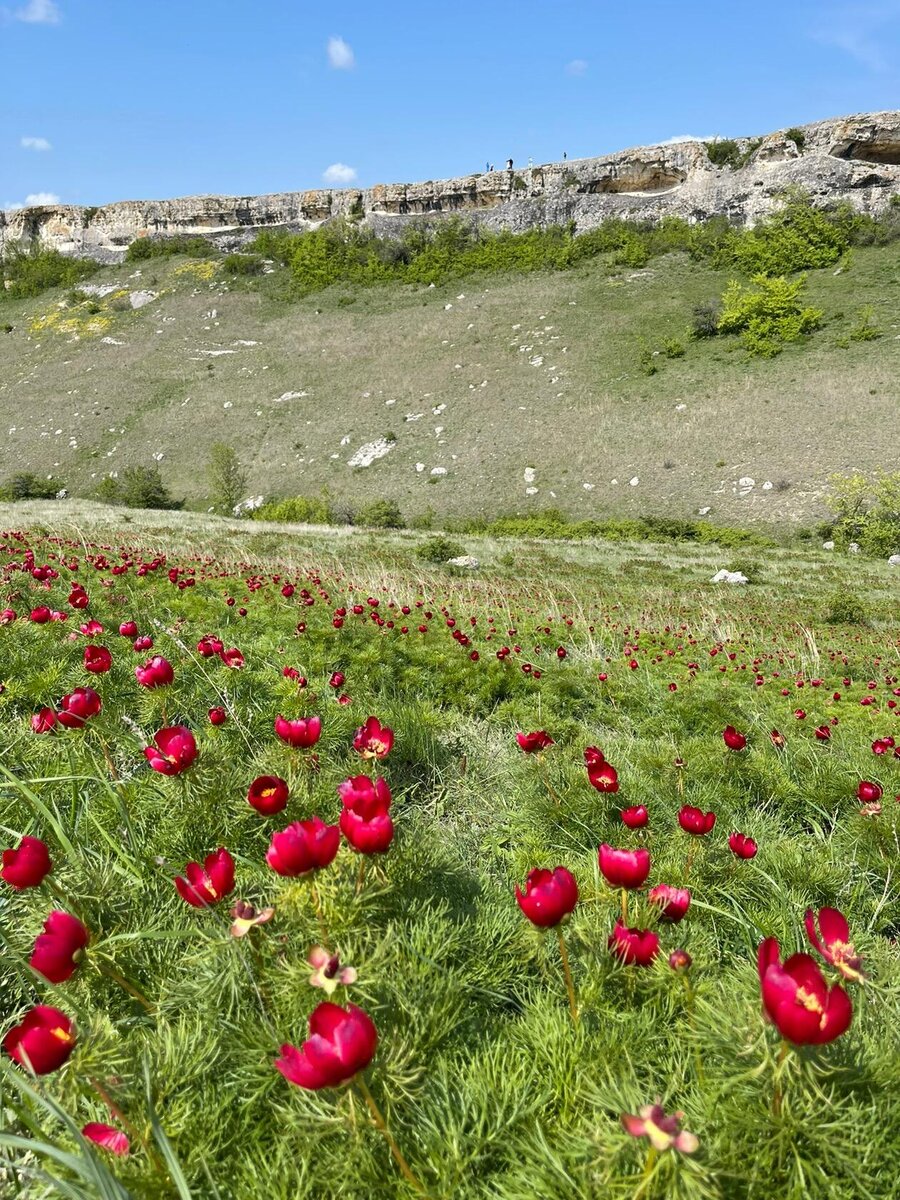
[{"x": 105, "y": 100}]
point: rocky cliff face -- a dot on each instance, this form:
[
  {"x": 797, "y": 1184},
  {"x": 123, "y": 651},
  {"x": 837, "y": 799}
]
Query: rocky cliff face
[{"x": 850, "y": 158}]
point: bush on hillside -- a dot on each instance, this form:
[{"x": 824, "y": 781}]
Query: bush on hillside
[
  {"x": 439, "y": 549},
  {"x": 768, "y": 314},
  {"x": 243, "y": 264},
  {"x": 380, "y": 514},
  {"x": 28, "y": 272},
  {"x": 27, "y": 486},
  {"x": 867, "y": 511},
  {"x": 300, "y": 510},
  {"x": 167, "y": 247},
  {"x": 138, "y": 487}
]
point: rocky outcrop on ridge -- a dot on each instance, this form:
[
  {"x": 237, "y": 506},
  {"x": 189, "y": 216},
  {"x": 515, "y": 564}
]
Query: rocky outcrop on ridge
[{"x": 855, "y": 158}]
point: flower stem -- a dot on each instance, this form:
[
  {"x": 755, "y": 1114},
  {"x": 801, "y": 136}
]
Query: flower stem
[
  {"x": 381, "y": 1126},
  {"x": 567, "y": 972},
  {"x": 648, "y": 1171},
  {"x": 314, "y": 893},
  {"x": 778, "y": 1094},
  {"x": 111, "y": 973},
  {"x": 625, "y": 906},
  {"x": 361, "y": 875},
  {"x": 543, "y": 772}
]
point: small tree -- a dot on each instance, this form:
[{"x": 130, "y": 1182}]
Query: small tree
[
  {"x": 227, "y": 478},
  {"x": 137, "y": 487}
]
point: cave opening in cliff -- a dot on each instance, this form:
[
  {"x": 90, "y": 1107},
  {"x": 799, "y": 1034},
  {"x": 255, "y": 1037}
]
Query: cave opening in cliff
[{"x": 887, "y": 152}]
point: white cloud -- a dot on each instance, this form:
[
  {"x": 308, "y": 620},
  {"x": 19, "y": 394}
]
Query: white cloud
[
  {"x": 32, "y": 200},
  {"x": 685, "y": 137},
  {"x": 339, "y": 173},
  {"x": 340, "y": 55},
  {"x": 577, "y": 66},
  {"x": 37, "y": 12},
  {"x": 35, "y": 143}
]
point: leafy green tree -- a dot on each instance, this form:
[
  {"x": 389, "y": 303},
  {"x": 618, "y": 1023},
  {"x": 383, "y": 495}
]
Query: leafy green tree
[{"x": 227, "y": 478}]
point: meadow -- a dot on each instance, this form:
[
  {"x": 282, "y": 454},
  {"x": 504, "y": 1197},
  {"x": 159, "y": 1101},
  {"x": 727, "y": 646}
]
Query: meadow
[{"x": 702, "y": 768}]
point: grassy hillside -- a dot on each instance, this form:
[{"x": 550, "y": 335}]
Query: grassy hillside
[
  {"x": 494, "y": 1083},
  {"x": 522, "y": 392}
]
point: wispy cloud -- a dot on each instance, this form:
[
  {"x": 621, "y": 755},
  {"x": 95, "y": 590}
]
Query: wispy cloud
[
  {"x": 340, "y": 54},
  {"x": 684, "y": 137},
  {"x": 32, "y": 200},
  {"x": 578, "y": 66},
  {"x": 35, "y": 12},
  {"x": 339, "y": 173},
  {"x": 861, "y": 31},
  {"x": 35, "y": 143}
]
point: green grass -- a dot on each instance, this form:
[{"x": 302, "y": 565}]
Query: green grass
[
  {"x": 559, "y": 358},
  {"x": 488, "y": 1088}
]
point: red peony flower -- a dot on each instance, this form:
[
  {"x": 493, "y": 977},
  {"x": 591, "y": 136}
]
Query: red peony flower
[
  {"x": 57, "y": 950},
  {"x": 635, "y": 817},
  {"x": 798, "y": 1001},
  {"x": 694, "y": 821},
  {"x": 673, "y": 902},
  {"x": 128, "y": 629},
  {"x": 174, "y": 752},
  {"x": 232, "y": 658},
  {"x": 365, "y": 820},
  {"x": 26, "y": 866},
  {"x": 601, "y": 774},
  {"x": 303, "y": 847},
  {"x": 532, "y": 743},
  {"x": 97, "y": 659},
  {"x": 778, "y": 740},
  {"x": 156, "y": 672},
  {"x": 107, "y": 1137},
  {"x": 300, "y": 733},
  {"x": 209, "y": 645},
  {"x": 373, "y": 740},
  {"x": 832, "y": 940},
  {"x": 867, "y": 792},
  {"x": 342, "y": 1042},
  {"x": 217, "y": 715},
  {"x": 732, "y": 739},
  {"x": 43, "y": 721},
  {"x": 268, "y": 795},
  {"x": 661, "y": 1131},
  {"x": 549, "y": 896},
  {"x": 680, "y": 960},
  {"x": 207, "y": 884},
  {"x": 742, "y": 846},
  {"x": 624, "y": 868},
  {"x": 79, "y": 706},
  {"x": 637, "y": 946},
  {"x": 42, "y": 1041}
]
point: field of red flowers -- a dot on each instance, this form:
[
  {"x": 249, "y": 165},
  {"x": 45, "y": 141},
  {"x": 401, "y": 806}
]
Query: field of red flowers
[{"x": 325, "y": 882}]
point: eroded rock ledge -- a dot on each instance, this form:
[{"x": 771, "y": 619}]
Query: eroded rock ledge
[{"x": 849, "y": 158}]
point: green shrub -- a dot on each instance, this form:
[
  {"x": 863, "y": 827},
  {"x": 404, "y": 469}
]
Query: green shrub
[
  {"x": 300, "y": 510},
  {"x": 242, "y": 264},
  {"x": 726, "y": 152},
  {"x": 673, "y": 348},
  {"x": 25, "y": 485},
  {"x": 867, "y": 511},
  {"x": 380, "y": 514},
  {"x": 28, "y": 272},
  {"x": 797, "y": 237},
  {"x": 705, "y": 319},
  {"x": 166, "y": 247},
  {"x": 866, "y": 328},
  {"x": 845, "y": 609},
  {"x": 767, "y": 314},
  {"x": 137, "y": 487},
  {"x": 439, "y": 549},
  {"x": 797, "y": 136}
]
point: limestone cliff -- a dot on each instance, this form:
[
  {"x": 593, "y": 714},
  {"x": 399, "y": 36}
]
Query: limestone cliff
[{"x": 849, "y": 158}]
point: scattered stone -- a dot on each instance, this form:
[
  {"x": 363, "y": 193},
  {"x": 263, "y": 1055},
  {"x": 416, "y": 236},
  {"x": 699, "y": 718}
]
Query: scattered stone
[
  {"x": 634, "y": 481},
  {"x": 439, "y": 470},
  {"x": 894, "y": 560},
  {"x": 139, "y": 299},
  {"x": 464, "y": 560},
  {"x": 828, "y": 545},
  {"x": 370, "y": 452},
  {"x": 853, "y": 547},
  {"x": 724, "y": 576}
]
